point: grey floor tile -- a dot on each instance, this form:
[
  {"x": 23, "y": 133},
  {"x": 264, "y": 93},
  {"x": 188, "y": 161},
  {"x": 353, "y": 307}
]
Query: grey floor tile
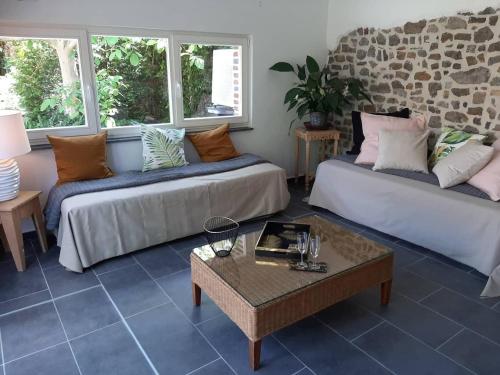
[
  {"x": 348, "y": 319},
  {"x": 453, "y": 278},
  {"x": 62, "y": 281},
  {"x": 52, "y": 361},
  {"x": 184, "y": 247},
  {"x": 411, "y": 285},
  {"x": 15, "y": 284},
  {"x": 178, "y": 288},
  {"x": 171, "y": 342},
  {"x": 25, "y": 301},
  {"x": 232, "y": 344},
  {"x": 304, "y": 371},
  {"x": 324, "y": 351},
  {"x": 161, "y": 260},
  {"x": 110, "y": 351},
  {"x": 50, "y": 258},
  {"x": 114, "y": 264},
  {"x": 132, "y": 290},
  {"x": 30, "y": 330},
  {"x": 188, "y": 243},
  {"x": 405, "y": 355},
  {"x": 473, "y": 352},
  {"x": 218, "y": 367},
  {"x": 86, "y": 311},
  {"x": 434, "y": 255},
  {"x": 295, "y": 210},
  {"x": 472, "y": 315},
  {"x": 412, "y": 317}
]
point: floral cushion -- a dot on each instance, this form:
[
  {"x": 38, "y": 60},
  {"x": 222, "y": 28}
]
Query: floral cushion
[
  {"x": 450, "y": 140},
  {"x": 162, "y": 148}
]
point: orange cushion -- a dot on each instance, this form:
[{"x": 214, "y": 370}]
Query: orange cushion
[
  {"x": 80, "y": 158},
  {"x": 214, "y": 145}
]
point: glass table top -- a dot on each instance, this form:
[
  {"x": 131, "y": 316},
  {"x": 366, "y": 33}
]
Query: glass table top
[{"x": 260, "y": 280}]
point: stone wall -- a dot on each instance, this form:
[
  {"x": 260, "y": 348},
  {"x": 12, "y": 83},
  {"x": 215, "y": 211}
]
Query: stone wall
[{"x": 446, "y": 68}]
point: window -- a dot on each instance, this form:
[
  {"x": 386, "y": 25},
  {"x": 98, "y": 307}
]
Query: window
[
  {"x": 41, "y": 77},
  {"x": 210, "y": 80},
  {"x": 78, "y": 81},
  {"x": 131, "y": 78}
]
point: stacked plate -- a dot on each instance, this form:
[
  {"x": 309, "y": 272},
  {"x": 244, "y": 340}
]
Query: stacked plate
[{"x": 9, "y": 179}]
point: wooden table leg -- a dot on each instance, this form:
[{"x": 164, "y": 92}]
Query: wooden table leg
[
  {"x": 308, "y": 158},
  {"x": 385, "y": 292},
  {"x": 12, "y": 227},
  {"x": 39, "y": 225},
  {"x": 297, "y": 158},
  {"x": 254, "y": 348},
  {"x": 335, "y": 147},
  {"x": 196, "y": 294},
  {"x": 3, "y": 239}
]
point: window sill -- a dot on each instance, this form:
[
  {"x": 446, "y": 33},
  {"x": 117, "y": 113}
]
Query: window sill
[{"x": 44, "y": 146}]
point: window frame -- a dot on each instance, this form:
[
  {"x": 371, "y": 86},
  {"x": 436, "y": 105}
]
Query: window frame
[
  {"x": 207, "y": 122},
  {"x": 130, "y": 130},
  {"x": 84, "y": 34},
  {"x": 39, "y": 136}
]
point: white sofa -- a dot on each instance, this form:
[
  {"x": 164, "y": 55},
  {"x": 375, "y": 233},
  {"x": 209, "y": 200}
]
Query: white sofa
[
  {"x": 463, "y": 227},
  {"x": 101, "y": 225}
]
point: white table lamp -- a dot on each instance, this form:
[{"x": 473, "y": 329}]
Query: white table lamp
[{"x": 13, "y": 142}]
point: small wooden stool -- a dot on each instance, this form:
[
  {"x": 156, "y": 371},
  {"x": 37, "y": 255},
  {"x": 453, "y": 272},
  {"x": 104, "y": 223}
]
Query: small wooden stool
[{"x": 26, "y": 204}]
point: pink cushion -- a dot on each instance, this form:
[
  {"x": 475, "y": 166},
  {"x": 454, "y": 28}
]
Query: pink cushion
[
  {"x": 372, "y": 124},
  {"x": 488, "y": 178}
]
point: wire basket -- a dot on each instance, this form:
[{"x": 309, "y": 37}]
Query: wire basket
[{"x": 221, "y": 234}]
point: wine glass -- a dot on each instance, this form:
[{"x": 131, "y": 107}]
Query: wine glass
[
  {"x": 302, "y": 242},
  {"x": 315, "y": 245}
]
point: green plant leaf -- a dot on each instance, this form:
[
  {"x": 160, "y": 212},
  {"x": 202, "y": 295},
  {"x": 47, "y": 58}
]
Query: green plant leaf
[
  {"x": 312, "y": 65},
  {"x": 111, "y": 40},
  {"x": 282, "y": 67},
  {"x": 292, "y": 94},
  {"x": 455, "y": 137},
  {"x": 301, "y": 72},
  {"x": 134, "y": 59}
]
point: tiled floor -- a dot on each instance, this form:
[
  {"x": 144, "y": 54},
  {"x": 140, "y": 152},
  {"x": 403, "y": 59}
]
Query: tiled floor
[{"x": 134, "y": 315}]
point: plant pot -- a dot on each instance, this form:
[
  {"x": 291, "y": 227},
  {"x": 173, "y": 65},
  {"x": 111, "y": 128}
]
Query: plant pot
[{"x": 318, "y": 119}]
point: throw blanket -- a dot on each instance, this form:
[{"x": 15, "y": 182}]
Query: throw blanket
[
  {"x": 137, "y": 178},
  {"x": 430, "y": 178}
]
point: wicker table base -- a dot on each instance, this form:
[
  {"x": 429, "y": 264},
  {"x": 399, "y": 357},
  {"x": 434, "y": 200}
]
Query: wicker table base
[{"x": 258, "y": 321}]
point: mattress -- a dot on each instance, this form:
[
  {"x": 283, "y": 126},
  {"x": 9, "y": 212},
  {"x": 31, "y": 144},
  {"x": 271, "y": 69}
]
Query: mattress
[
  {"x": 101, "y": 225},
  {"x": 461, "y": 226}
]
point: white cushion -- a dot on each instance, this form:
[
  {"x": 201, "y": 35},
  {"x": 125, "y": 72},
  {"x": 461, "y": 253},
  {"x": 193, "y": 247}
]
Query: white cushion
[
  {"x": 402, "y": 149},
  {"x": 462, "y": 164}
]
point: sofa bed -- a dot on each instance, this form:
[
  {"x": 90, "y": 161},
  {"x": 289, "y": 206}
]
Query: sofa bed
[
  {"x": 95, "y": 220},
  {"x": 461, "y": 223}
]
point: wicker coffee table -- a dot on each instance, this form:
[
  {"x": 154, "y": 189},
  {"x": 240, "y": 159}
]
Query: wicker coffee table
[{"x": 261, "y": 295}]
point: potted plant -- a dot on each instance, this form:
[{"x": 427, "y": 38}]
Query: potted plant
[{"x": 319, "y": 92}]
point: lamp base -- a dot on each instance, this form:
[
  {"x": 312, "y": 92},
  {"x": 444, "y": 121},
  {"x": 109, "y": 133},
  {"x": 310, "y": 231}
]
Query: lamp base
[{"x": 9, "y": 179}]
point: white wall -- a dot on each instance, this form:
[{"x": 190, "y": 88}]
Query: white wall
[
  {"x": 280, "y": 29},
  {"x": 347, "y": 15}
]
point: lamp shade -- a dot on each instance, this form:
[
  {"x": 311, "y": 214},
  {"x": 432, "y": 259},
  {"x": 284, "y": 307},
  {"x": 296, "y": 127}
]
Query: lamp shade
[{"x": 13, "y": 137}]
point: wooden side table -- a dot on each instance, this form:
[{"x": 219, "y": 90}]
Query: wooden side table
[
  {"x": 309, "y": 136},
  {"x": 26, "y": 205}
]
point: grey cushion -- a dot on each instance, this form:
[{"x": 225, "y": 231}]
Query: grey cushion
[
  {"x": 462, "y": 164},
  {"x": 406, "y": 150}
]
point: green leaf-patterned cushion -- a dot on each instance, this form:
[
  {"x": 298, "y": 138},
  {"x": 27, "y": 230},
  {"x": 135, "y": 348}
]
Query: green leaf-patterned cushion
[
  {"x": 450, "y": 140},
  {"x": 162, "y": 148}
]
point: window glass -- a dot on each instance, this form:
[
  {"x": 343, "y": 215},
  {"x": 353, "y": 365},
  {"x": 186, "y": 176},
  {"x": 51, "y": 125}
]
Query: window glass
[
  {"x": 131, "y": 80},
  {"x": 41, "y": 78},
  {"x": 211, "y": 80}
]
